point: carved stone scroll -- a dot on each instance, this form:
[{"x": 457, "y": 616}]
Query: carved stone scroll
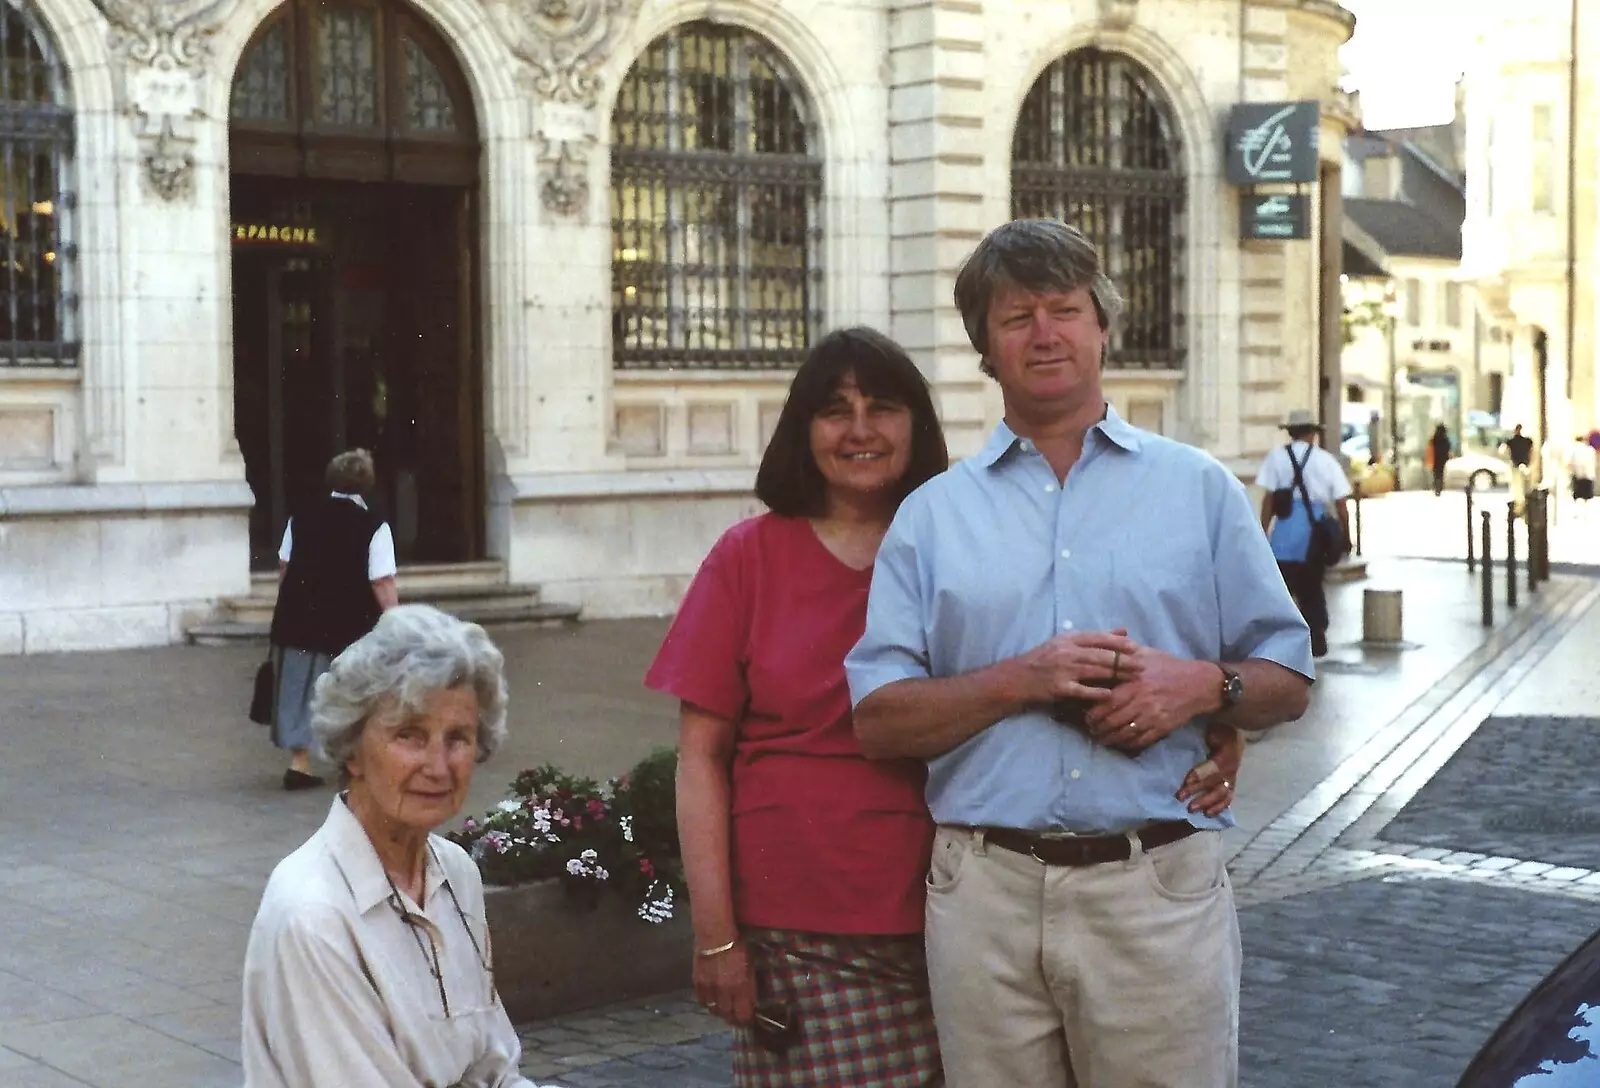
[{"x": 164, "y": 47}]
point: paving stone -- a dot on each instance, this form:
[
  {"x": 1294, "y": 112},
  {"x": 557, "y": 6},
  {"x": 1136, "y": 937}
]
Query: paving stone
[{"x": 1558, "y": 823}]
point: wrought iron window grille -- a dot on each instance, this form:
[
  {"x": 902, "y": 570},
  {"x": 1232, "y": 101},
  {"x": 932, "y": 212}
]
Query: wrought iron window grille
[
  {"x": 1097, "y": 145},
  {"x": 38, "y": 261},
  {"x": 716, "y": 191}
]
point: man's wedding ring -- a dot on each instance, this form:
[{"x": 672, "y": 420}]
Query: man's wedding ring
[{"x": 1116, "y": 662}]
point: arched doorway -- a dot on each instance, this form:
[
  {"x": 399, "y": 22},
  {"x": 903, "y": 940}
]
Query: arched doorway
[{"x": 354, "y": 174}]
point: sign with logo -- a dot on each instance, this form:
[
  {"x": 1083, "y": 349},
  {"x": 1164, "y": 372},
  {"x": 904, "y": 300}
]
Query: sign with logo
[
  {"x": 1274, "y": 216},
  {"x": 273, "y": 234},
  {"x": 1273, "y": 143}
]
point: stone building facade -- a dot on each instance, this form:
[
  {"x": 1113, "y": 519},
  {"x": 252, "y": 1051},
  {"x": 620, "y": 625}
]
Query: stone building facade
[
  {"x": 1532, "y": 232},
  {"x": 554, "y": 260}
]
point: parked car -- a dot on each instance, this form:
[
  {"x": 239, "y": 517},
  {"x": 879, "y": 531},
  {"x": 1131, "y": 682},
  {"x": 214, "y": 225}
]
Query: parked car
[
  {"x": 1481, "y": 470},
  {"x": 1552, "y": 1040}
]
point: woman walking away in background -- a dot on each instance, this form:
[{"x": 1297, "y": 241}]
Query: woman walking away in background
[{"x": 335, "y": 577}]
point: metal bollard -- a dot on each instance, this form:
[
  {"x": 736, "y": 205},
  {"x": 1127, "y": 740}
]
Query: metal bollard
[
  {"x": 1544, "y": 534},
  {"x": 1470, "y": 558},
  {"x": 1357, "y": 492},
  {"x": 1511, "y": 555},
  {"x": 1536, "y": 522},
  {"x": 1488, "y": 572}
]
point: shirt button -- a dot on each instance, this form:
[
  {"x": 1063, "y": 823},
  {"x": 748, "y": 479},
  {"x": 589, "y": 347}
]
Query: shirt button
[
  {"x": 1049, "y": 488},
  {"x": 1076, "y": 773},
  {"x": 1066, "y": 625},
  {"x": 1066, "y": 553},
  {"x": 1027, "y": 447}
]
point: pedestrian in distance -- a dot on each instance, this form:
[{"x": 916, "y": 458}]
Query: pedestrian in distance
[
  {"x": 1519, "y": 449},
  {"x": 807, "y": 862},
  {"x": 1581, "y": 467},
  {"x": 1439, "y": 453},
  {"x": 336, "y": 575},
  {"x": 1305, "y": 505},
  {"x": 1052, "y": 624},
  {"x": 369, "y": 962}
]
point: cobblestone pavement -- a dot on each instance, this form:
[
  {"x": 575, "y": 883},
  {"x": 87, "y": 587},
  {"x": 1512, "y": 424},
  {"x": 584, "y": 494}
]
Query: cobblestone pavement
[
  {"x": 1392, "y": 980},
  {"x": 1481, "y": 802}
]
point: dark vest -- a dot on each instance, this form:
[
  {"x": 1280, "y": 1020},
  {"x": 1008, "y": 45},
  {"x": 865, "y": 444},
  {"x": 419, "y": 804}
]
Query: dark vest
[{"x": 325, "y": 600}]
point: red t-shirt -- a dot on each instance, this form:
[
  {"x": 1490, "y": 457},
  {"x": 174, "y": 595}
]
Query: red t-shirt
[{"x": 824, "y": 840}]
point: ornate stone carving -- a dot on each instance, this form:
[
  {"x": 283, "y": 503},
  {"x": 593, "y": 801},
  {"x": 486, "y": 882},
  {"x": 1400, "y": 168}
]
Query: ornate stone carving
[
  {"x": 164, "y": 47},
  {"x": 163, "y": 34},
  {"x": 1118, "y": 14},
  {"x": 565, "y": 190},
  {"x": 167, "y": 161},
  {"x": 564, "y": 42}
]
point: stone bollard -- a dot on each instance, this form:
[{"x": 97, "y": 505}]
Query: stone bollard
[{"x": 1381, "y": 616}]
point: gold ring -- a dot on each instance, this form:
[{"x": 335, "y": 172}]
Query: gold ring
[{"x": 1226, "y": 784}]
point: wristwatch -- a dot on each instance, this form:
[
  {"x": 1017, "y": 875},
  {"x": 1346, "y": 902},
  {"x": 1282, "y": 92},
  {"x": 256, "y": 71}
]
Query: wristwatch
[{"x": 1232, "y": 687}]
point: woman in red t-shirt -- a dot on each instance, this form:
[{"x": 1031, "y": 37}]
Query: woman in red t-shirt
[{"x": 805, "y": 861}]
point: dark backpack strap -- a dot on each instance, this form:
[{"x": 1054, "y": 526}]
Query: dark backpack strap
[{"x": 1300, "y": 480}]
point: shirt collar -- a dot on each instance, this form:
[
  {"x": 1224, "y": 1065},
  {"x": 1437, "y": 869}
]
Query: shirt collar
[
  {"x": 1112, "y": 426},
  {"x": 357, "y": 499},
  {"x": 352, "y": 851}
]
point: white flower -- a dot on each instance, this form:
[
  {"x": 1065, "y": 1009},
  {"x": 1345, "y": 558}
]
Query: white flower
[
  {"x": 576, "y": 868},
  {"x": 590, "y": 856},
  {"x": 656, "y": 909},
  {"x": 510, "y": 805},
  {"x": 627, "y": 829}
]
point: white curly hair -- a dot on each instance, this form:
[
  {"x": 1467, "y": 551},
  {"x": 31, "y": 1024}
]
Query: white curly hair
[{"x": 414, "y": 650}]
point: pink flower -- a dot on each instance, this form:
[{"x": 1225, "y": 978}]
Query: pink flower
[{"x": 646, "y": 868}]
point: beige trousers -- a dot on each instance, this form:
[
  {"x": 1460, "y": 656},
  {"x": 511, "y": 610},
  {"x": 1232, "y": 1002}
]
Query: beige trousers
[{"x": 1120, "y": 975}]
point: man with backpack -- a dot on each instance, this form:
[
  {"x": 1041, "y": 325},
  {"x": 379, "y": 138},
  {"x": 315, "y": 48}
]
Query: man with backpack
[{"x": 1305, "y": 515}]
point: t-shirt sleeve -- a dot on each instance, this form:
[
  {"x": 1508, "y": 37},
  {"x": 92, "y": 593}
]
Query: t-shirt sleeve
[
  {"x": 380, "y": 554},
  {"x": 1258, "y": 617},
  {"x": 1268, "y": 476},
  {"x": 702, "y": 659},
  {"x": 1334, "y": 483},
  {"x": 895, "y": 644}
]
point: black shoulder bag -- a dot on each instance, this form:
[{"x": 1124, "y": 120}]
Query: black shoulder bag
[{"x": 1327, "y": 545}]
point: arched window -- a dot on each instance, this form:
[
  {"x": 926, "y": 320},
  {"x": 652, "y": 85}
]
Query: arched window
[
  {"x": 716, "y": 186},
  {"x": 37, "y": 305},
  {"x": 358, "y": 90},
  {"x": 1096, "y": 145}
]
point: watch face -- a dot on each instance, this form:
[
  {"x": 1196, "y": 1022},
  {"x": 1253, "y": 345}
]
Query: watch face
[{"x": 1233, "y": 690}]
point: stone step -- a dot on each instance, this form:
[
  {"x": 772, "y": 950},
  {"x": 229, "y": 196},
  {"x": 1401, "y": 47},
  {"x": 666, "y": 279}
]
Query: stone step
[
  {"x": 257, "y": 608},
  {"x": 493, "y": 614},
  {"x": 414, "y": 578}
]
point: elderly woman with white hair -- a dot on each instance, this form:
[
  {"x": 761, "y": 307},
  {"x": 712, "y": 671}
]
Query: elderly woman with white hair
[{"x": 369, "y": 960}]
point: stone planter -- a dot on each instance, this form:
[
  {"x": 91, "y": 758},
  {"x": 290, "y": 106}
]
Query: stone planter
[{"x": 553, "y": 954}]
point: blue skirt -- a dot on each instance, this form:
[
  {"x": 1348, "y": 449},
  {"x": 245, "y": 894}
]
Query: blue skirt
[{"x": 297, "y": 672}]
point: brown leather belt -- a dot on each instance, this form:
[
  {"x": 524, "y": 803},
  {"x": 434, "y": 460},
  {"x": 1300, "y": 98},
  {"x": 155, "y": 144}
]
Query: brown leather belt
[{"x": 1086, "y": 849}]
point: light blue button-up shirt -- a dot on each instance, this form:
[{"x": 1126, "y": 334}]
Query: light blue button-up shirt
[{"x": 995, "y": 557}]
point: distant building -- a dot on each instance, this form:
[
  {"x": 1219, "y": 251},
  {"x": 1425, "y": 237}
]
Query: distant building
[
  {"x": 1404, "y": 209},
  {"x": 1525, "y": 239}
]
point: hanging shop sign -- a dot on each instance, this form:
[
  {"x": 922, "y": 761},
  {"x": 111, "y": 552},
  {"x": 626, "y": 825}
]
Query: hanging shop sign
[
  {"x": 1274, "y": 216},
  {"x": 1273, "y": 143}
]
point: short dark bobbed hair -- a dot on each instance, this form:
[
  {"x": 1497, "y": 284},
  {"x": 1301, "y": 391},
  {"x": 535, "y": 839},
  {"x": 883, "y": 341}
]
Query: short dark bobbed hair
[{"x": 789, "y": 481}]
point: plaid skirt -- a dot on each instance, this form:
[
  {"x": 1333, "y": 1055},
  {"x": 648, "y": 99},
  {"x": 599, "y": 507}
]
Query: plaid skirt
[{"x": 861, "y": 1003}]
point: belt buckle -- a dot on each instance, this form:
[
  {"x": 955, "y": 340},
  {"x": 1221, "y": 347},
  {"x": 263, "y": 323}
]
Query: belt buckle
[{"x": 1057, "y": 836}]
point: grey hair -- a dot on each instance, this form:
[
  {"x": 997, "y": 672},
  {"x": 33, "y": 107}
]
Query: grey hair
[
  {"x": 1036, "y": 255},
  {"x": 351, "y": 473},
  {"x": 414, "y": 650}
]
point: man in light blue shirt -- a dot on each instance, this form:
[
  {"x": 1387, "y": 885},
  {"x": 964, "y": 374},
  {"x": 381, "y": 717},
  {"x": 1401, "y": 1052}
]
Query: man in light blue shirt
[{"x": 1051, "y": 625}]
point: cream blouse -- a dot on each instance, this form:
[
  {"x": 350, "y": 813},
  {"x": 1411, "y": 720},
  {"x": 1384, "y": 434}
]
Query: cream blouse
[{"x": 340, "y": 991}]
